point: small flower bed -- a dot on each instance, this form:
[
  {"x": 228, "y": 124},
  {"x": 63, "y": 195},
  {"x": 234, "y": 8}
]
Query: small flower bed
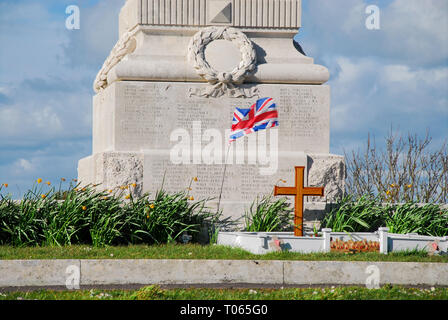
[{"x": 354, "y": 246}]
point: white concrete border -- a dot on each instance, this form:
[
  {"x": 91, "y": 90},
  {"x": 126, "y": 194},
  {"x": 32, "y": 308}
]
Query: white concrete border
[
  {"x": 21, "y": 273},
  {"x": 261, "y": 242}
]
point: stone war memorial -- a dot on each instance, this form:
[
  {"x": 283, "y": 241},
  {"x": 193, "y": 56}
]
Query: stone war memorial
[
  {"x": 204, "y": 112},
  {"x": 166, "y": 95}
]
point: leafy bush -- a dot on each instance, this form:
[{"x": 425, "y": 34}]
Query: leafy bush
[{"x": 268, "y": 215}]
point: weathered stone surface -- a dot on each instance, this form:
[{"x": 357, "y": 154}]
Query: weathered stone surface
[
  {"x": 17, "y": 273},
  {"x": 355, "y": 272},
  {"x": 112, "y": 169},
  {"x": 329, "y": 171},
  {"x": 254, "y": 14},
  {"x": 211, "y": 57},
  {"x": 180, "y": 271}
]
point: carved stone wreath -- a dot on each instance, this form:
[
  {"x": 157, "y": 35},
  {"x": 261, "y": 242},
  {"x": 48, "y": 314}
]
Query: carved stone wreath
[{"x": 222, "y": 82}]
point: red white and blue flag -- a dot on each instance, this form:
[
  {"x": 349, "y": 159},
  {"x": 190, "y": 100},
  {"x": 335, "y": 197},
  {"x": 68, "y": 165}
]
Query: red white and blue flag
[{"x": 260, "y": 116}]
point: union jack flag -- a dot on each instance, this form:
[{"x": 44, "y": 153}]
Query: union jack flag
[{"x": 260, "y": 116}]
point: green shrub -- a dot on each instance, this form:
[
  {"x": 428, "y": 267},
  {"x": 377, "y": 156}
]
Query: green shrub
[
  {"x": 350, "y": 215},
  {"x": 87, "y": 216},
  {"x": 367, "y": 214},
  {"x": 268, "y": 215}
]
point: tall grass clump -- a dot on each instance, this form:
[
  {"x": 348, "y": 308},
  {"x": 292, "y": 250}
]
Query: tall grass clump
[
  {"x": 165, "y": 218},
  {"x": 367, "y": 214},
  {"x": 268, "y": 214},
  {"x": 354, "y": 215},
  {"x": 84, "y": 215}
]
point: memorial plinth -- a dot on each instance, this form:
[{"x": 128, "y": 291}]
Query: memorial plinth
[{"x": 167, "y": 93}]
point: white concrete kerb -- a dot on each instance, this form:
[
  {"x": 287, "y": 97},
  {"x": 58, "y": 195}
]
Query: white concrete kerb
[{"x": 20, "y": 273}]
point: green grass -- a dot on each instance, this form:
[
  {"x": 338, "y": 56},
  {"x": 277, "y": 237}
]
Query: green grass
[
  {"x": 386, "y": 292},
  {"x": 195, "y": 251}
]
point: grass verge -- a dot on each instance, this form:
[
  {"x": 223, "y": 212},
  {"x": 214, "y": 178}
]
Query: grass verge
[
  {"x": 196, "y": 251},
  {"x": 387, "y": 292}
]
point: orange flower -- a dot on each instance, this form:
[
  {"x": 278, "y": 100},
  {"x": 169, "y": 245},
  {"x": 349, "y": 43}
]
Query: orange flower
[
  {"x": 62, "y": 179},
  {"x": 43, "y": 196},
  {"x": 195, "y": 178},
  {"x": 152, "y": 205},
  {"x": 191, "y": 198},
  {"x": 39, "y": 180},
  {"x": 48, "y": 182},
  {"x": 6, "y": 185},
  {"x": 84, "y": 208},
  {"x": 128, "y": 196},
  {"x": 134, "y": 185},
  {"x": 110, "y": 191}
]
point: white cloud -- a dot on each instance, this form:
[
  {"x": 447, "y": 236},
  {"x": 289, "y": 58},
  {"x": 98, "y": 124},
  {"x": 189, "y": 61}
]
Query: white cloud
[
  {"x": 24, "y": 165},
  {"x": 412, "y": 31},
  {"x": 369, "y": 95}
]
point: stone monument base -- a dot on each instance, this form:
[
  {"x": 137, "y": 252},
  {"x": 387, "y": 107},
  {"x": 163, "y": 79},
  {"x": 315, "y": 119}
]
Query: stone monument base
[
  {"x": 162, "y": 135},
  {"x": 147, "y": 170}
]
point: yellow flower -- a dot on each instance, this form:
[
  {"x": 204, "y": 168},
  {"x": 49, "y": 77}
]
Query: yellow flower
[
  {"x": 43, "y": 196},
  {"x": 195, "y": 178},
  {"x": 409, "y": 186},
  {"x": 110, "y": 191},
  {"x": 147, "y": 216},
  {"x": 105, "y": 198},
  {"x": 128, "y": 196},
  {"x": 392, "y": 185},
  {"x": 39, "y": 180},
  {"x": 388, "y": 192},
  {"x": 83, "y": 189},
  {"x": 48, "y": 182},
  {"x": 152, "y": 205},
  {"x": 76, "y": 189},
  {"x": 122, "y": 187},
  {"x": 191, "y": 198},
  {"x": 134, "y": 185},
  {"x": 84, "y": 208},
  {"x": 62, "y": 179}
]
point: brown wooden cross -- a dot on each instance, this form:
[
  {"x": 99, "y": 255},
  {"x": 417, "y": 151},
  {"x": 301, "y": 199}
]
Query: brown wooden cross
[{"x": 299, "y": 191}]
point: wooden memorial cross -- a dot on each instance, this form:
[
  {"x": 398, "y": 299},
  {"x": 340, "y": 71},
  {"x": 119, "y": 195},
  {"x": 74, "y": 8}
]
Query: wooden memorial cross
[{"x": 299, "y": 191}]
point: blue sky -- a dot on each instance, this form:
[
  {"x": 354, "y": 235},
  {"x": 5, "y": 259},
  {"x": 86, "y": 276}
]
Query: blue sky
[{"x": 396, "y": 76}]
